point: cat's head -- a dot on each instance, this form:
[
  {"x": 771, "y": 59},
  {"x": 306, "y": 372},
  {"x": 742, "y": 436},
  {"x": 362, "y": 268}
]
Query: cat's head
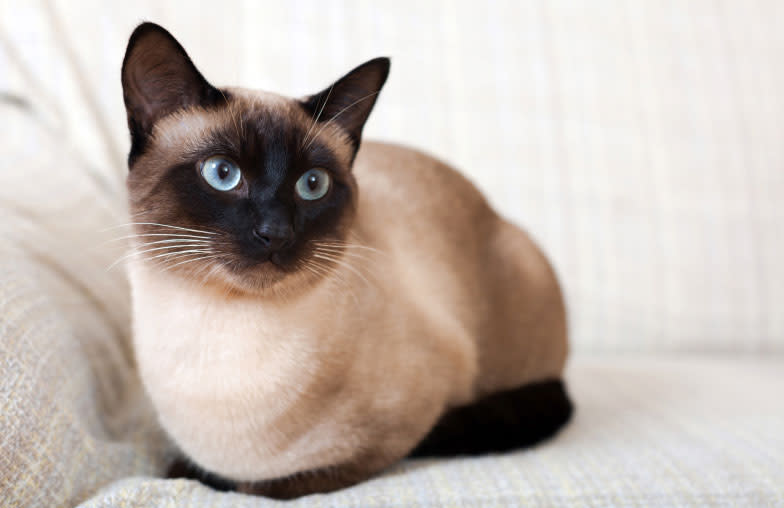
[{"x": 247, "y": 188}]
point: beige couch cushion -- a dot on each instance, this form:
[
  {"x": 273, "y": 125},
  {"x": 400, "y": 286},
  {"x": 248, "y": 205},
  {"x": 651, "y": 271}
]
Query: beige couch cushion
[
  {"x": 72, "y": 413},
  {"x": 648, "y": 432}
]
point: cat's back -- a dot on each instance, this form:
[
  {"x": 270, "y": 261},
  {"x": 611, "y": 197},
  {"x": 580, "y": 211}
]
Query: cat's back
[
  {"x": 457, "y": 257},
  {"x": 430, "y": 221},
  {"x": 425, "y": 196}
]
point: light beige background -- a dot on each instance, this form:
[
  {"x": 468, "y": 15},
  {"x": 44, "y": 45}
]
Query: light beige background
[{"x": 641, "y": 142}]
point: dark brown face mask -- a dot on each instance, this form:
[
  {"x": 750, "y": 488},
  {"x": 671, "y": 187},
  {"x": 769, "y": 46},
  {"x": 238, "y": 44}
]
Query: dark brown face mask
[{"x": 265, "y": 178}]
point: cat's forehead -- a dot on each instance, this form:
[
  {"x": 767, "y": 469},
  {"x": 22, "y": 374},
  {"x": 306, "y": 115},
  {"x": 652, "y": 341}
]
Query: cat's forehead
[{"x": 247, "y": 114}]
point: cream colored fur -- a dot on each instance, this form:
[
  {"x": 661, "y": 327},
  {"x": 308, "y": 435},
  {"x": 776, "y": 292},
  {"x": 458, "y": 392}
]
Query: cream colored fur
[{"x": 447, "y": 303}]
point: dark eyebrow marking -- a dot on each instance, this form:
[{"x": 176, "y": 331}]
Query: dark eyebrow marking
[
  {"x": 217, "y": 142},
  {"x": 322, "y": 156}
]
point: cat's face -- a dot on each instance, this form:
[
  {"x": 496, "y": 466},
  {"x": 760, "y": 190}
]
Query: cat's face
[{"x": 248, "y": 189}]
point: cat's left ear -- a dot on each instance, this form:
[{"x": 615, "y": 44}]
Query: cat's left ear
[
  {"x": 349, "y": 100},
  {"x": 159, "y": 78}
]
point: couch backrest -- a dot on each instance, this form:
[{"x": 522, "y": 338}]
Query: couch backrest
[{"x": 642, "y": 143}]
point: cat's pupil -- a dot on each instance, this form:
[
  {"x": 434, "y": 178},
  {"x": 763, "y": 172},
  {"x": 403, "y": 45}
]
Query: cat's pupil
[
  {"x": 223, "y": 171},
  {"x": 313, "y": 182}
]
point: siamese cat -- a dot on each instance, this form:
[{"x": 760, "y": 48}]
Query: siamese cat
[{"x": 308, "y": 307}]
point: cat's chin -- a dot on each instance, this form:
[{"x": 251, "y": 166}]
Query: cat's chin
[{"x": 253, "y": 279}]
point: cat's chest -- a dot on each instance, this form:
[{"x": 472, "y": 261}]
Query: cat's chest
[
  {"x": 191, "y": 341},
  {"x": 235, "y": 381}
]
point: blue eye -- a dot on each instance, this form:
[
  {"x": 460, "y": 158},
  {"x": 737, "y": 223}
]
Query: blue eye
[
  {"x": 221, "y": 173},
  {"x": 313, "y": 185}
]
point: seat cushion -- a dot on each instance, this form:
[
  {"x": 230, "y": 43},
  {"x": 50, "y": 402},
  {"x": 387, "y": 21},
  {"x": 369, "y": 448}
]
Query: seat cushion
[
  {"x": 647, "y": 432},
  {"x": 73, "y": 415}
]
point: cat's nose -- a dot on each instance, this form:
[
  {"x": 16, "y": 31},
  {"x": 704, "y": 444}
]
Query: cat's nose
[{"x": 273, "y": 237}]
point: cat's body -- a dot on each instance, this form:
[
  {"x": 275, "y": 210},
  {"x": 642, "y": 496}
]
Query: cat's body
[{"x": 423, "y": 300}]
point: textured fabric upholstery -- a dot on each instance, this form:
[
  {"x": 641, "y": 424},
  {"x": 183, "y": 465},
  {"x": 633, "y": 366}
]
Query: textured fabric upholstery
[
  {"x": 648, "y": 432},
  {"x": 72, "y": 412},
  {"x": 639, "y": 141}
]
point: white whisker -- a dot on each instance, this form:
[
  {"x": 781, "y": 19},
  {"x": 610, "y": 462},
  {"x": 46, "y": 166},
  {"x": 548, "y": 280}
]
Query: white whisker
[
  {"x": 169, "y": 235},
  {"x": 315, "y": 120},
  {"x": 338, "y": 253},
  {"x": 336, "y": 278},
  {"x": 192, "y": 260},
  {"x": 174, "y": 241},
  {"x": 160, "y": 225},
  {"x": 170, "y": 255},
  {"x": 342, "y": 263},
  {"x": 139, "y": 252},
  {"x": 233, "y": 115},
  {"x": 337, "y": 115},
  {"x": 174, "y": 257},
  {"x": 348, "y": 246}
]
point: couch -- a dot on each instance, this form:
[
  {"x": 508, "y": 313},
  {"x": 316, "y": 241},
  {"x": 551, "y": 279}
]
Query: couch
[{"x": 640, "y": 142}]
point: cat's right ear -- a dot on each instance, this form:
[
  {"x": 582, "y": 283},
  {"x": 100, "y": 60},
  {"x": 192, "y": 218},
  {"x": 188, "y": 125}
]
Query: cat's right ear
[{"x": 158, "y": 78}]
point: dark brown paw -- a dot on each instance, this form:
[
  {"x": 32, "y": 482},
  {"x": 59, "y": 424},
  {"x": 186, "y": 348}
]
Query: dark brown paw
[
  {"x": 183, "y": 468},
  {"x": 317, "y": 481}
]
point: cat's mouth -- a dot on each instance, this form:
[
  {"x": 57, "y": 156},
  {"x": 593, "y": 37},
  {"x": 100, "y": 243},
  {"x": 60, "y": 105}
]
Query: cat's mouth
[
  {"x": 276, "y": 260},
  {"x": 260, "y": 272},
  {"x": 258, "y": 257}
]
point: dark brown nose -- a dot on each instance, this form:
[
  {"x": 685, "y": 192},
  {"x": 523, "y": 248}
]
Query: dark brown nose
[{"x": 273, "y": 237}]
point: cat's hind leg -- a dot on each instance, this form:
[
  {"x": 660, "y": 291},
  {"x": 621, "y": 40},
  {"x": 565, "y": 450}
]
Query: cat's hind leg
[{"x": 499, "y": 422}]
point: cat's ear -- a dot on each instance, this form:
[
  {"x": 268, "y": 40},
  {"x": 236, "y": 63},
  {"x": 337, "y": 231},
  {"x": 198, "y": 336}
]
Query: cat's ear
[
  {"x": 349, "y": 100},
  {"x": 159, "y": 78}
]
